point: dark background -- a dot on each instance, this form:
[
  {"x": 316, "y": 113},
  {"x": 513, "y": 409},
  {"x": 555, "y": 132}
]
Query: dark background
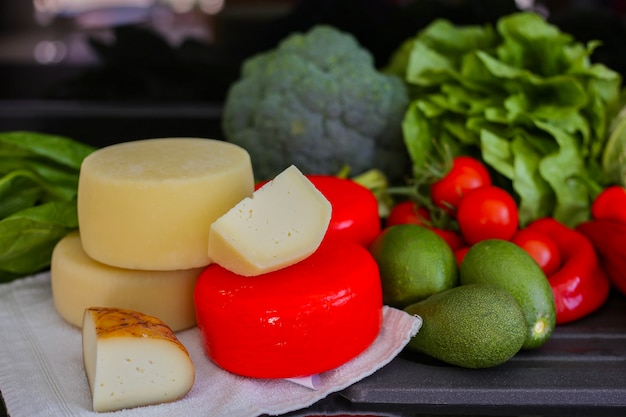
[{"x": 107, "y": 76}]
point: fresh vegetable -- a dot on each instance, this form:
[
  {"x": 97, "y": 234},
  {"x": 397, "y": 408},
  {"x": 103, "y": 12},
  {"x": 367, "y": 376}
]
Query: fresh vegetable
[
  {"x": 540, "y": 247},
  {"x": 487, "y": 212},
  {"x": 414, "y": 263},
  {"x": 466, "y": 174},
  {"x": 610, "y": 204},
  {"x": 318, "y": 102},
  {"x": 38, "y": 186},
  {"x": 503, "y": 263},
  {"x": 522, "y": 95},
  {"x": 609, "y": 239},
  {"x": 408, "y": 212},
  {"x": 472, "y": 326},
  {"x": 580, "y": 286}
]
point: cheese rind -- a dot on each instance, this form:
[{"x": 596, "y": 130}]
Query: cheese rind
[
  {"x": 282, "y": 223},
  {"x": 79, "y": 282},
  {"x": 149, "y": 204},
  {"x": 132, "y": 359}
]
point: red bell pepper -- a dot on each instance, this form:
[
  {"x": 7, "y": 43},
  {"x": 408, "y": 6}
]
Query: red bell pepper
[
  {"x": 609, "y": 239},
  {"x": 580, "y": 286}
]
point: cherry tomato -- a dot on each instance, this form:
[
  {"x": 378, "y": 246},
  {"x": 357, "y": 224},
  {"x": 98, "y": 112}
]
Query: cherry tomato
[
  {"x": 407, "y": 212},
  {"x": 541, "y": 248},
  {"x": 610, "y": 204},
  {"x": 466, "y": 174},
  {"x": 460, "y": 253},
  {"x": 487, "y": 212},
  {"x": 454, "y": 240}
]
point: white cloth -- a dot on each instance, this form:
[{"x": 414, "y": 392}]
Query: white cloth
[{"x": 41, "y": 368}]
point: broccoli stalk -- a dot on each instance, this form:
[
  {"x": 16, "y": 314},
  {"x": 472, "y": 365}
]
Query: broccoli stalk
[{"x": 318, "y": 102}]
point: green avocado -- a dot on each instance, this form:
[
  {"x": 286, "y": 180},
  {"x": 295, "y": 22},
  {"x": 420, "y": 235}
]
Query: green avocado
[
  {"x": 471, "y": 326},
  {"x": 503, "y": 263}
]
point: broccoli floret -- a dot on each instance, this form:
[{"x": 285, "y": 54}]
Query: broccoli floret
[{"x": 317, "y": 101}]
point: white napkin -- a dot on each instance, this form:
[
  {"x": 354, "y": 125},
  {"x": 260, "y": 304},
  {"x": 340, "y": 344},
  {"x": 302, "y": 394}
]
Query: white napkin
[{"x": 41, "y": 368}]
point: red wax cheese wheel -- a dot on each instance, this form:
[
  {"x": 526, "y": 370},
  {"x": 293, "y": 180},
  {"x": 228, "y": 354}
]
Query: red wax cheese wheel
[
  {"x": 355, "y": 208},
  {"x": 301, "y": 320}
]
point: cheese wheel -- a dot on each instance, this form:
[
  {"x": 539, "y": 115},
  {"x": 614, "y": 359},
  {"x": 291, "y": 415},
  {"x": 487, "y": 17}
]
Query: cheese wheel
[
  {"x": 133, "y": 359},
  {"x": 282, "y": 223},
  {"x": 301, "y": 320},
  {"x": 79, "y": 282},
  {"x": 149, "y": 204}
]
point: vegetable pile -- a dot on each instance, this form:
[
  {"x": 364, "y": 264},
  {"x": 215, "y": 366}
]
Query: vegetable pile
[
  {"x": 38, "y": 184},
  {"x": 524, "y": 97},
  {"x": 482, "y": 211}
]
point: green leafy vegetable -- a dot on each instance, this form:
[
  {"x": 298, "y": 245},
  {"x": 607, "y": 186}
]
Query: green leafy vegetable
[
  {"x": 525, "y": 97},
  {"x": 38, "y": 186}
]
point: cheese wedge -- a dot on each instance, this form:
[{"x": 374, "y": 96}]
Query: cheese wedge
[
  {"x": 282, "y": 223},
  {"x": 149, "y": 204},
  {"x": 79, "y": 282},
  {"x": 132, "y": 359}
]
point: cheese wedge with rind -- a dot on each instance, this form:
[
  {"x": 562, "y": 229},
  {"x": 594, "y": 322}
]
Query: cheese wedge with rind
[
  {"x": 78, "y": 282},
  {"x": 149, "y": 204},
  {"x": 282, "y": 223},
  {"x": 132, "y": 359}
]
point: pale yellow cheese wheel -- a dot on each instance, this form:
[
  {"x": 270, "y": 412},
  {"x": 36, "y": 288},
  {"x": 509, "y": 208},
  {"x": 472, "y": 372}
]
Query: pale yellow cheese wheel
[
  {"x": 149, "y": 204},
  {"x": 79, "y": 282}
]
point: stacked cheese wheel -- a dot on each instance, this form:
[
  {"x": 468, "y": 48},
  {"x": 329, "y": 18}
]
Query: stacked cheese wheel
[
  {"x": 145, "y": 209},
  {"x": 174, "y": 229}
]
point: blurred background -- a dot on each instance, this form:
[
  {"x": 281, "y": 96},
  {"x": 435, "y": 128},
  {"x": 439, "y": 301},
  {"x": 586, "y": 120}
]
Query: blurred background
[{"x": 105, "y": 71}]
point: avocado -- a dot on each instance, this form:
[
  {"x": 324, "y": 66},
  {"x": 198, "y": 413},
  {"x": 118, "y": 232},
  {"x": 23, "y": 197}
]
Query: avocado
[
  {"x": 503, "y": 263},
  {"x": 471, "y": 326}
]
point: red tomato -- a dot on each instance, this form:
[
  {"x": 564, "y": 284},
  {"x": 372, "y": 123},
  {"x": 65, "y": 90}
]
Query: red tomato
[
  {"x": 610, "y": 204},
  {"x": 467, "y": 174},
  {"x": 355, "y": 208},
  {"x": 541, "y": 248},
  {"x": 407, "y": 212},
  {"x": 460, "y": 253},
  {"x": 487, "y": 212},
  {"x": 454, "y": 240}
]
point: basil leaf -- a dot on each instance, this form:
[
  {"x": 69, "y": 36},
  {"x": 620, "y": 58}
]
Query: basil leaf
[
  {"x": 38, "y": 190},
  {"x": 28, "y": 237}
]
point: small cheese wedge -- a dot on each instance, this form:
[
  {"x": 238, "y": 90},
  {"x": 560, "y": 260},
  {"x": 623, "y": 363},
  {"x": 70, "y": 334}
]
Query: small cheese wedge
[
  {"x": 149, "y": 204},
  {"x": 79, "y": 282},
  {"x": 282, "y": 223},
  {"x": 132, "y": 359}
]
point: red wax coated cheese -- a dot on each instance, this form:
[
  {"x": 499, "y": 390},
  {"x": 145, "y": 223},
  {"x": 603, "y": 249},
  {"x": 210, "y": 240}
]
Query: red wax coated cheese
[
  {"x": 355, "y": 208},
  {"x": 301, "y": 320}
]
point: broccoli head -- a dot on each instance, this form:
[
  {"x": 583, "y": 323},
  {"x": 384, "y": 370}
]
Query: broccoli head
[{"x": 318, "y": 102}]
